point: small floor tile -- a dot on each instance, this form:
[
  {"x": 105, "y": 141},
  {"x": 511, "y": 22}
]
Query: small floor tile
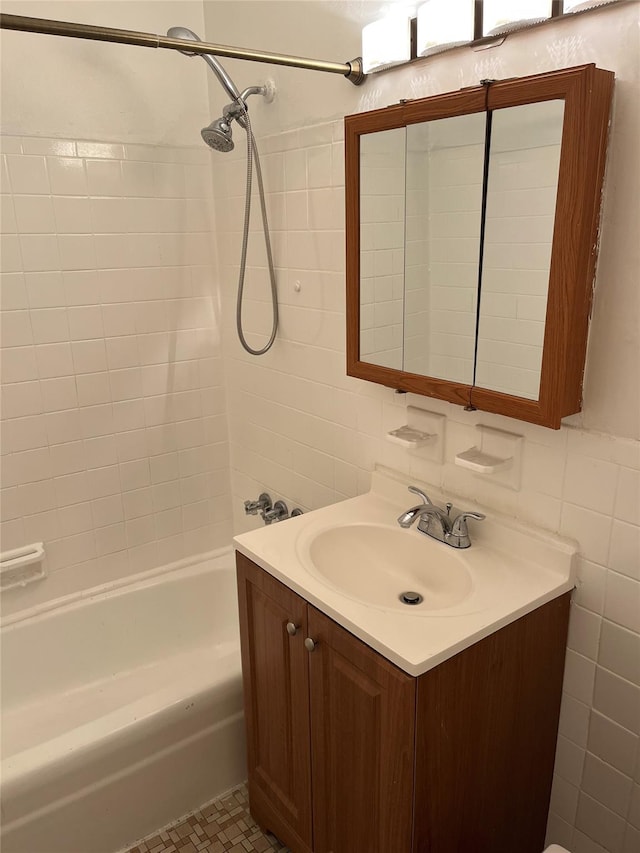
[{"x": 223, "y": 826}]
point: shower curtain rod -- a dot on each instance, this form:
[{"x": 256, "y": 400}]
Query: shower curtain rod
[{"x": 351, "y": 70}]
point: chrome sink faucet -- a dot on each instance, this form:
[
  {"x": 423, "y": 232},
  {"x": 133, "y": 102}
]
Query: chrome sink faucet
[{"x": 436, "y": 522}]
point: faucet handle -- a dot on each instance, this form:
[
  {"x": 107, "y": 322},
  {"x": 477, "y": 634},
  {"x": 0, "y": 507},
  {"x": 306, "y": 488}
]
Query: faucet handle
[
  {"x": 263, "y": 504},
  {"x": 278, "y": 512},
  {"x": 459, "y": 527},
  {"x": 425, "y": 497}
]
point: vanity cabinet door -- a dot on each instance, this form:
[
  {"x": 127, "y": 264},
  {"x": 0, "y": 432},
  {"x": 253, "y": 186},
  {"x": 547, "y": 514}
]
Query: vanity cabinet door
[
  {"x": 362, "y": 734},
  {"x": 276, "y": 701}
]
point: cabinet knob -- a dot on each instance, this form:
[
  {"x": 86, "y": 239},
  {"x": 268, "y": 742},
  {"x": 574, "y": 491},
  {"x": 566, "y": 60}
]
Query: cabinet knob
[
  {"x": 309, "y": 644},
  {"x": 292, "y": 629}
]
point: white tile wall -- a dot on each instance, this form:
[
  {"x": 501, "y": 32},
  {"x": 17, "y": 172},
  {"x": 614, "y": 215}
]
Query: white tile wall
[
  {"x": 304, "y": 431},
  {"x": 114, "y": 443}
]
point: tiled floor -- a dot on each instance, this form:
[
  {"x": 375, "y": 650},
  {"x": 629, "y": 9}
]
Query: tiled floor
[{"x": 223, "y": 825}]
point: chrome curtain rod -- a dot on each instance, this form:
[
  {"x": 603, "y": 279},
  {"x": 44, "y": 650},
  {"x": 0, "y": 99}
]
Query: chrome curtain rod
[{"x": 351, "y": 70}]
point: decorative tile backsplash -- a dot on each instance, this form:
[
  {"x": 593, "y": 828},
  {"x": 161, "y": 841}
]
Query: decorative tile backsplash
[{"x": 114, "y": 432}]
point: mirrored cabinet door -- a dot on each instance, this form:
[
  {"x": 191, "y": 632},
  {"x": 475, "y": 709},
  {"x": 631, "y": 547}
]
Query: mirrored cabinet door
[
  {"x": 445, "y": 160},
  {"x": 522, "y": 185},
  {"x": 383, "y": 190},
  {"x": 420, "y": 219}
]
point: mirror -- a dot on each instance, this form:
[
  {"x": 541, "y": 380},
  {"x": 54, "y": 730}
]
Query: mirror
[
  {"x": 420, "y": 218},
  {"x": 522, "y": 184},
  {"x": 421, "y": 267},
  {"x": 471, "y": 241}
]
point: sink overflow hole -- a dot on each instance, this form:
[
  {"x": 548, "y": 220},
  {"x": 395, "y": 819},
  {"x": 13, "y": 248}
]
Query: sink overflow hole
[{"x": 411, "y": 598}]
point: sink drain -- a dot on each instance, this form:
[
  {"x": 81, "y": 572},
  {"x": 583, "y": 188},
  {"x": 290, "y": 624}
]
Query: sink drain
[{"x": 410, "y": 598}]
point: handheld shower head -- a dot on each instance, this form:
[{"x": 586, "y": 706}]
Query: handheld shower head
[
  {"x": 226, "y": 81},
  {"x": 217, "y": 135}
]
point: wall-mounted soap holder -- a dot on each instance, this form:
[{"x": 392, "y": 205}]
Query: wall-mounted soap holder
[
  {"x": 482, "y": 463},
  {"x": 498, "y": 454},
  {"x": 22, "y": 566},
  {"x": 410, "y": 437},
  {"x": 423, "y": 431}
]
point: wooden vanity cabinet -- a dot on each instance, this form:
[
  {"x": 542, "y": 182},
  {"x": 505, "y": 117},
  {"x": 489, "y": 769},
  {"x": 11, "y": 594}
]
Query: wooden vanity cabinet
[{"x": 349, "y": 754}]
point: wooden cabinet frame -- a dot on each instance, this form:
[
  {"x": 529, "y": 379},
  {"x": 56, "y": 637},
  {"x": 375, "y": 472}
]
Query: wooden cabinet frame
[{"x": 586, "y": 91}]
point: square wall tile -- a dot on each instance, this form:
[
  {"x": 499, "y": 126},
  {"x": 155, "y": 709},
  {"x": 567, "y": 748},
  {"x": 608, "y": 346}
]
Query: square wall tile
[
  {"x": 600, "y": 824},
  {"x": 627, "y": 505},
  {"x": 39, "y": 252},
  {"x": 622, "y": 601},
  {"x": 620, "y": 651},
  {"x": 612, "y": 743},
  {"x": 50, "y": 325},
  {"x": 67, "y": 176},
  {"x": 590, "y": 483},
  {"x": 606, "y": 785},
  {"x": 34, "y": 214},
  {"x": 27, "y": 174},
  {"x": 20, "y": 399},
  {"x": 617, "y": 699},
  {"x": 624, "y": 551},
  {"x": 45, "y": 289}
]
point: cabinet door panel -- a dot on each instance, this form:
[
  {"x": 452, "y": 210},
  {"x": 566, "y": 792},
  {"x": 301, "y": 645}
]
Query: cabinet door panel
[
  {"x": 362, "y": 730},
  {"x": 276, "y": 687}
]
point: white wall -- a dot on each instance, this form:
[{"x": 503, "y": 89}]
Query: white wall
[
  {"x": 82, "y": 89},
  {"x": 302, "y": 430}
]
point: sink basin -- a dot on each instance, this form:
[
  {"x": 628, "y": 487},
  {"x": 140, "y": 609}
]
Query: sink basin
[
  {"x": 352, "y": 561},
  {"x": 378, "y": 564}
]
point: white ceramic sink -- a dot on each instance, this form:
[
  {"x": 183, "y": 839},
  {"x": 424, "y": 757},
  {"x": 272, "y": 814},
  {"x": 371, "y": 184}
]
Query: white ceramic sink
[
  {"x": 377, "y": 564},
  {"x": 352, "y": 561}
]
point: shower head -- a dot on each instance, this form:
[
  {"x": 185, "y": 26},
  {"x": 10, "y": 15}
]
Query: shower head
[
  {"x": 217, "y": 135},
  {"x": 226, "y": 81}
]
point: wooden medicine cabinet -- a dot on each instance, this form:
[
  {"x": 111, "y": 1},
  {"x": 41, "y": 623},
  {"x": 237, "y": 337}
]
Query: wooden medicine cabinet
[{"x": 472, "y": 229}]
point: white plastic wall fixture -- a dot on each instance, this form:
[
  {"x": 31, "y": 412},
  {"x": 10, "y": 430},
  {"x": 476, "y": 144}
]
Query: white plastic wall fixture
[
  {"x": 22, "y": 566},
  {"x": 423, "y": 431},
  {"x": 498, "y": 455}
]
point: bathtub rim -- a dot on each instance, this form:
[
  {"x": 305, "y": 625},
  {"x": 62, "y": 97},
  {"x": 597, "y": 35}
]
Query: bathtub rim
[{"x": 106, "y": 590}]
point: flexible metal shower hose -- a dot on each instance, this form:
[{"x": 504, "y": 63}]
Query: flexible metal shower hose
[{"x": 252, "y": 153}]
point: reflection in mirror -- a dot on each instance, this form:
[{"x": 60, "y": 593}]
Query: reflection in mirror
[
  {"x": 444, "y": 200},
  {"x": 420, "y": 212},
  {"x": 520, "y": 212},
  {"x": 382, "y": 212}
]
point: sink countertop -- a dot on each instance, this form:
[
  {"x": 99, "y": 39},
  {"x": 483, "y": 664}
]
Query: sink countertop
[{"x": 514, "y": 569}]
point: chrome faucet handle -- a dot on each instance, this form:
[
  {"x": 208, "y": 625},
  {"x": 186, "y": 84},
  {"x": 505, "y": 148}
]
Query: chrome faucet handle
[
  {"x": 459, "y": 527},
  {"x": 425, "y": 497},
  {"x": 263, "y": 504},
  {"x": 278, "y": 512}
]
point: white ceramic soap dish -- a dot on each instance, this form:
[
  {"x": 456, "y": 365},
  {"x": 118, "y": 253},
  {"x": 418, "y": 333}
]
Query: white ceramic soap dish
[
  {"x": 410, "y": 437},
  {"x": 423, "y": 430},
  {"x": 497, "y": 455}
]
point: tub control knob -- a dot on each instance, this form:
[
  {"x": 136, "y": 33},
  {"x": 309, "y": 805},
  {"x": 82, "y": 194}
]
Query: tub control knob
[
  {"x": 309, "y": 644},
  {"x": 292, "y": 629}
]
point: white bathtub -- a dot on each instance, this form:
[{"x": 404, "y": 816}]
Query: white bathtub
[{"x": 122, "y": 709}]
